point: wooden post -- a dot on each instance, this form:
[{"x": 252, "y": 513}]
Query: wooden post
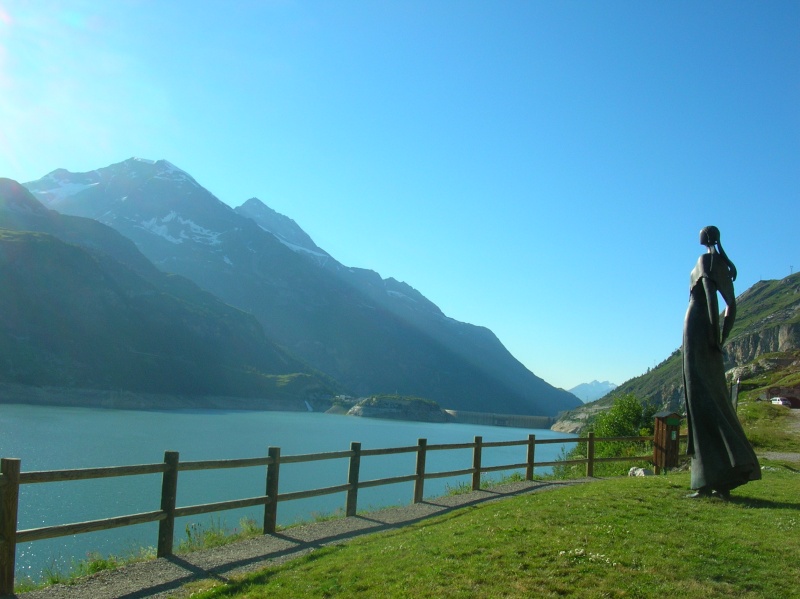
[
  {"x": 590, "y": 456},
  {"x": 9, "y": 508},
  {"x": 169, "y": 494},
  {"x": 476, "y": 463},
  {"x": 352, "y": 479},
  {"x": 531, "y": 457},
  {"x": 666, "y": 430},
  {"x": 271, "y": 507},
  {"x": 419, "y": 484}
]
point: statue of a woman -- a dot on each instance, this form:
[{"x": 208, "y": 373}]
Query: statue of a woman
[{"x": 722, "y": 457}]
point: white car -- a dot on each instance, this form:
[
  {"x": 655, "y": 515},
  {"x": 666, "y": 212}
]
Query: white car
[{"x": 781, "y": 401}]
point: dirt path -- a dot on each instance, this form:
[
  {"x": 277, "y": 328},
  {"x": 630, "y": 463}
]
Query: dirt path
[{"x": 164, "y": 577}]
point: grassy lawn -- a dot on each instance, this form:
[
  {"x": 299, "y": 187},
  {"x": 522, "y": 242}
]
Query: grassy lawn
[
  {"x": 769, "y": 427},
  {"x": 620, "y": 537}
]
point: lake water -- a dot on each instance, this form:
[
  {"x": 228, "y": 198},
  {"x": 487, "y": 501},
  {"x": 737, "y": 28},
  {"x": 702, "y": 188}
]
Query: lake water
[{"x": 50, "y": 438}]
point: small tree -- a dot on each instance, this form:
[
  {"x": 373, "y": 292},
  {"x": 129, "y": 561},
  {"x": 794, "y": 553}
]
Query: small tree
[{"x": 627, "y": 417}]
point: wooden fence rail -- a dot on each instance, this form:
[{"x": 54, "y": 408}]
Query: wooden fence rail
[{"x": 11, "y": 477}]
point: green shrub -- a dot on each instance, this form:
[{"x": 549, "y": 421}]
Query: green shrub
[{"x": 627, "y": 417}]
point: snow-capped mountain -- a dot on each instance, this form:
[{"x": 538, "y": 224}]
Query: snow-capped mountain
[
  {"x": 371, "y": 334},
  {"x": 587, "y": 392},
  {"x": 153, "y": 196},
  {"x": 82, "y": 307}
]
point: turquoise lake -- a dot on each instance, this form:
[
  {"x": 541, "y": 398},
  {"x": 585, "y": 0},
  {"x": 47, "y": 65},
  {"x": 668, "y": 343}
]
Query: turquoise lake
[{"x": 49, "y": 438}]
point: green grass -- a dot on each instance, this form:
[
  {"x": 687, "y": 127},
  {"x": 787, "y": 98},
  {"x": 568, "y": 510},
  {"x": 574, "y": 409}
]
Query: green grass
[
  {"x": 621, "y": 537},
  {"x": 93, "y": 564},
  {"x": 765, "y": 299},
  {"x": 216, "y": 534},
  {"x": 487, "y": 482},
  {"x": 767, "y": 426}
]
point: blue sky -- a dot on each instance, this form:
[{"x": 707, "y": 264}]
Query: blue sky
[{"x": 539, "y": 168}]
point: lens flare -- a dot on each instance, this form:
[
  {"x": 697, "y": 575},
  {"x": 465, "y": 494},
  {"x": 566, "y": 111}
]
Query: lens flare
[{"x": 5, "y": 18}]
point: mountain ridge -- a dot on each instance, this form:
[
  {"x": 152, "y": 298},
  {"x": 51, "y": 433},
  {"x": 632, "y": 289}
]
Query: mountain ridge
[
  {"x": 81, "y": 307},
  {"x": 374, "y": 335}
]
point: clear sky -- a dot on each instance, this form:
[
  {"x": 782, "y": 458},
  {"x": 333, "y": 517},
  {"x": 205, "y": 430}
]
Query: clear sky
[{"x": 541, "y": 168}]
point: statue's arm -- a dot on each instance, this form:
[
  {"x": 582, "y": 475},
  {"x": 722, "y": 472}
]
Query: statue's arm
[
  {"x": 730, "y": 312},
  {"x": 713, "y": 312}
]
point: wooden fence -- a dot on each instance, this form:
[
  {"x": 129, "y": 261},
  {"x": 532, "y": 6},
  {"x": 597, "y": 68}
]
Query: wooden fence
[{"x": 11, "y": 477}]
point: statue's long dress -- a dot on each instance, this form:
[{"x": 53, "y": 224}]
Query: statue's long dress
[{"x": 722, "y": 457}]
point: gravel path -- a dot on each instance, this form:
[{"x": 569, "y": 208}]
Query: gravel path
[
  {"x": 164, "y": 577},
  {"x": 781, "y": 456}
]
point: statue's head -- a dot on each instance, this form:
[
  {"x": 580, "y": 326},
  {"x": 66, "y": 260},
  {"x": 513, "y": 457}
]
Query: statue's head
[{"x": 709, "y": 236}]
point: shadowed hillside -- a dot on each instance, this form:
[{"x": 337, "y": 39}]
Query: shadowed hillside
[{"x": 80, "y": 307}]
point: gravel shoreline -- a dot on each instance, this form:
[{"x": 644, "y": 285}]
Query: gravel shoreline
[{"x": 163, "y": 578}]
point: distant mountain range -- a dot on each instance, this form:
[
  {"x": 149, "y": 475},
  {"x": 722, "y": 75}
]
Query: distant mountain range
[
  {"x": 587, "y": 392},
  {"x": 331, "y": 326}
]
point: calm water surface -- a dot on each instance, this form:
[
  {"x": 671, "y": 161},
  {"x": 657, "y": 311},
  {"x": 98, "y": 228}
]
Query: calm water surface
[{"x": 48, "y": 438}]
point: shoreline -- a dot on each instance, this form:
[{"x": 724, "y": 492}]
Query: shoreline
[{"x": 12, "y": 393}]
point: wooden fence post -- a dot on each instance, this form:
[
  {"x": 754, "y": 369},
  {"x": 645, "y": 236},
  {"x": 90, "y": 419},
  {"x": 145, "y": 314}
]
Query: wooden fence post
[
  {"x": 352, "y": 479},
  {"x": 531, "y": 456},
  {"x": 9, "y": 508},
  {"x": 169, "y": 494},
  {"x": 419, "y": 483},
  {"x": 271, "y": 507},
  {"x": 590, "y": 456},
  {"x": 476, "y": 463}
]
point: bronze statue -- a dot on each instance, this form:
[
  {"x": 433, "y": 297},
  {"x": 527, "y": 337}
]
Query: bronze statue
[{"x": 722, "y": 457}]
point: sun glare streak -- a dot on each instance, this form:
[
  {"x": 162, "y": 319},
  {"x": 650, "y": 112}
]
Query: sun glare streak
[
  {"x": 6, "y": 156},
  {"x": 65, "y": 69}
]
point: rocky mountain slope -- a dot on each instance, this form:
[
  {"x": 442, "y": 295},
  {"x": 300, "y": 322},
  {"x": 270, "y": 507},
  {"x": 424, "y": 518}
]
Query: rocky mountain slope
[
  {"x": 81, "y": 307},
  {"x": 373, "y": 335},
  {"x": 765, "y": 338}
]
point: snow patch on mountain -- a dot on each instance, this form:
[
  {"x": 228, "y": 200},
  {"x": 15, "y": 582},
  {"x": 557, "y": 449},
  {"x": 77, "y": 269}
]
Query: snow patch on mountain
[
  {"x": 170, "y": 172},
  {"x": 587, "y": 392},
  {"x": 161, "y": 230},
  {"x": 282, "y": 227},
  {"x": 60, "y": 191},
  {"x": 298, "y": 248},
  {"x": 399, "y": 295},
  {"x": 190, "y": 230}
]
